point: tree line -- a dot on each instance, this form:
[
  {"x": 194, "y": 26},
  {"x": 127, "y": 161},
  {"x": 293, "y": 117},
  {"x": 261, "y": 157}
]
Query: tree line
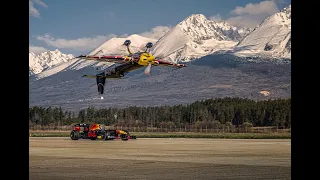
[{"x": 205, "y": 113}]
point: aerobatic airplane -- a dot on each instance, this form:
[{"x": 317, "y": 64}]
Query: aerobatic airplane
[{"x": 125, "y": 64}]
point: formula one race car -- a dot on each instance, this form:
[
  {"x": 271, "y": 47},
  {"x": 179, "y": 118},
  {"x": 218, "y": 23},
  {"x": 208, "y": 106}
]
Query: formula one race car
[{"x": 97, "y": 131}]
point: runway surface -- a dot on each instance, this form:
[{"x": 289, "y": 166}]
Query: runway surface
[{"x": 62, "y": 158}]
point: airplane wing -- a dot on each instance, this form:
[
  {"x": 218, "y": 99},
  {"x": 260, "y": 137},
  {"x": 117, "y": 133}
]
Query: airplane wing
[
  {"x": 112, "y": 59},
  {"x": 166, "y": 63}
]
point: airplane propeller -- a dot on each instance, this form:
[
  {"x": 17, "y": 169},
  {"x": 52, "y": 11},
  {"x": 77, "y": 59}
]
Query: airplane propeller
[{"x": 148, "y": 69}]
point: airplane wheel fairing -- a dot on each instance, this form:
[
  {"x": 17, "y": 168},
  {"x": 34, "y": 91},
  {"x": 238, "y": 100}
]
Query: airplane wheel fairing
[{"x": 100, "y": 88}]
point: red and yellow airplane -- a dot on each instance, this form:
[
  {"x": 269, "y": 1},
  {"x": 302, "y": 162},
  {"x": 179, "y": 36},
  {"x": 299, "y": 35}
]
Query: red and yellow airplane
[{"x": 126, "y": 64}]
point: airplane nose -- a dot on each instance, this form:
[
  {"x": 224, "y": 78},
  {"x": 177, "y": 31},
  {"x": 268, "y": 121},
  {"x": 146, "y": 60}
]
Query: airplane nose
[{"x": 151, "y": 59}]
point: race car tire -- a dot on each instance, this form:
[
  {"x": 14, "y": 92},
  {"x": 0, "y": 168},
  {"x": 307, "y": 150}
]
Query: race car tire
[
  {"x": 105, "y": 136},
  {"x": 74, "y": 135},
  {"x": 124, "y": 137}
]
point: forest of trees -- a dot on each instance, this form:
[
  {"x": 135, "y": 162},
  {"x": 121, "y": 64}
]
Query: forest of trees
[{"x": 205, "y": 113}]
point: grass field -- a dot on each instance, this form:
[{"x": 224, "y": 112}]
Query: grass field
[{"x": 178, "y": 135}]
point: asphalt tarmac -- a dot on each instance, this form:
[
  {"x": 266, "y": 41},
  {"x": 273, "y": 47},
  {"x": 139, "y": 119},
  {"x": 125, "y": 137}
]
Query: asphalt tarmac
[{"x": 167, "y": 158}]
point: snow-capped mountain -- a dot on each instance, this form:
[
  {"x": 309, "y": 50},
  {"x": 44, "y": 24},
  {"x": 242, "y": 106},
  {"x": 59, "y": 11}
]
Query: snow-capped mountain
[
  {"x": 272, "y": 38},
  {"x": 44, "y": 60},
  {"x": 196, "y": 36},
  {"x": 243, "y": 32},
  {"x": 115, "y": 46},
  {"x": 30, "y": 72}
]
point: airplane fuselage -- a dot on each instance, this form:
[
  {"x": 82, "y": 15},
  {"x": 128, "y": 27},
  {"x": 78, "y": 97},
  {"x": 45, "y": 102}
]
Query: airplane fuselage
[
  {"x": 119, "y": 71},
  {"x": 144, "y": 58}
]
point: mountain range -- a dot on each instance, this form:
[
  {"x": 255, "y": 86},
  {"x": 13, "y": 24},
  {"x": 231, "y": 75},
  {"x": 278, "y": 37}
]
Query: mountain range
[
  {"x": 44, "y": 60},
  {"x": 272, "y": 38},
  {"x": 222, "y": 60},
  {"x": 195, "y": 37}
]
